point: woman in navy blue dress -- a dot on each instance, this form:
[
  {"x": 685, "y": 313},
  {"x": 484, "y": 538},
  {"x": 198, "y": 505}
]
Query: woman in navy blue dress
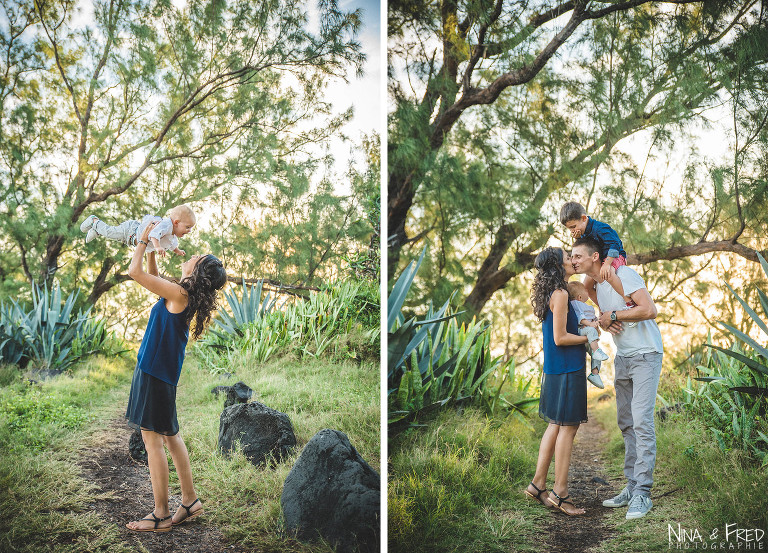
[
  {"x": 152, "y": 399},
  {"x": 563, "y": 402}
]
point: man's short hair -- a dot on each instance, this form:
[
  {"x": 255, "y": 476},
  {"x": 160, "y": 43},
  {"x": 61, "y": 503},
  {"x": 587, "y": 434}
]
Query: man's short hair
[
  {"x": 591, "y": 244},
  {"x": 571, "y": 211}
]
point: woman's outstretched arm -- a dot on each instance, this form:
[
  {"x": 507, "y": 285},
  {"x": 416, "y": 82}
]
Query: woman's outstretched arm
[
  {"x": 152, "y": 264},
  {"x": 171, "y": 291}
]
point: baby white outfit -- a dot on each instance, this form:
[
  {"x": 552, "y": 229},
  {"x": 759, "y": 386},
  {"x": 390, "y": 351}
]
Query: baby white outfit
[{"x": 128, "y": 232}]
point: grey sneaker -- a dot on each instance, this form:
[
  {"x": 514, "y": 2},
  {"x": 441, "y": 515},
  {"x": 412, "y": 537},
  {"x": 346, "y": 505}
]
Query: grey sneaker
[
  {"x": 620, "y": 500},
  {"x": 598, "y": 355},
  {"x": 91, "y": 235},
  {"x": 639, "y": 505},
  {"x": 86, "y": 225},
  {"x": 596, "y": 380}
]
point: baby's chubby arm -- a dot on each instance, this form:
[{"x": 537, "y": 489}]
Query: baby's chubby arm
[
  {"x": 162, "y": 228},
  {"x": 589, "y": 322},
  {"x": 158, "y": 248}
]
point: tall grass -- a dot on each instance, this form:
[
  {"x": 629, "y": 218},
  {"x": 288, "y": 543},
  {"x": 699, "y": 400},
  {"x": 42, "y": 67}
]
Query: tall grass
[
  {"x": 44, "y": 504},
  {"x": 709, "y": 487},
  {"x": 456, "y": 485}
]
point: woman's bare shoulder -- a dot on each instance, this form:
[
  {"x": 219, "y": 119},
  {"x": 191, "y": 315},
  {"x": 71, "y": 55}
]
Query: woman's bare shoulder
[
  {"x": 559, "y": 294},
  {"x": 559, "y": 297}
]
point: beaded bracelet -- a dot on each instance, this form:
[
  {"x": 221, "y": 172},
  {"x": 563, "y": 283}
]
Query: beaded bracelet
[{"x": 142, "y": 242}]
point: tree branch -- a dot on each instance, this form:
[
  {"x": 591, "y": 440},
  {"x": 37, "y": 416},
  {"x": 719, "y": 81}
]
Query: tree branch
[
  {"x": 677, "y": 252},
  {"x": 39, "y": 8},
  {"x": 489, "y": 94}
]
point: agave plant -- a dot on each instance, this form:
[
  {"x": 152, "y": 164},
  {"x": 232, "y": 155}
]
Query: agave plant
[
  {"x": 435, "y": 361},
  {"x": 248, "y": 309},
  {"x": 730, "y": 372},
  {"x": 310, "y": 326},
  {"x": 46, "y": 335},
  {"x": 755, "y": 387},
  {"x": 12, "y": 340}
]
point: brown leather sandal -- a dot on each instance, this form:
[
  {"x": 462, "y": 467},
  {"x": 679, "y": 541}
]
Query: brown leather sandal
[
  {"x": 190, "y": 514},
  {"x": 155, "y": 529},
  {"x": 559, "y": 504}
]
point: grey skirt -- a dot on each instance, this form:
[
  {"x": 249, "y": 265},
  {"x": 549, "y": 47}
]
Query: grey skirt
[
  {"x": 152, "y": 404},
  {"x": 563, "y": 398}
]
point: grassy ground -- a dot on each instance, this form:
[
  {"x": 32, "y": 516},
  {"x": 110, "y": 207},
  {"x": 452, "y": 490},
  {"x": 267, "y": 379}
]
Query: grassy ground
[
  {"x": 712, "y": 488},
  {"x": 43, "y": 499},
  {"x": 43, "y": 428},
  {"x": 454, "y": 485}
]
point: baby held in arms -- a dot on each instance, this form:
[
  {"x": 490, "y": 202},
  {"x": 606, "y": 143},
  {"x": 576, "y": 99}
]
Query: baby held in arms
[{"x": 588, "y": 326}]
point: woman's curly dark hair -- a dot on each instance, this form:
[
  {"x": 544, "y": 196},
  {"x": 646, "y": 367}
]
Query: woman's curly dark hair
[
  {"x": 202, "y": 287},
  {"x": 551, "y": 277}
]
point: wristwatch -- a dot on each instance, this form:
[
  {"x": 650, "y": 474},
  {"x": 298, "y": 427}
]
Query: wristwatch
[{"x": 613, "y": 315}]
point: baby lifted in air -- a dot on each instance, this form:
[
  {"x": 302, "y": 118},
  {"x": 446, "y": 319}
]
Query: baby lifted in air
[{"x": 164, "y": 237}]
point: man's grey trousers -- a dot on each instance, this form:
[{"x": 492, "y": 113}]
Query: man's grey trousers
[{"x": 637, "y": 379}]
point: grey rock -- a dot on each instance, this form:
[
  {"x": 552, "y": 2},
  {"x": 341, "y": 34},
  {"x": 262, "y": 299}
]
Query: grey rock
[
  {"x": 606, "y": 396},
  {"x": 332, "y": 492},
  {"x": 136, "y": 448},
  {"x": 262, "y": 432},
  {"x": 665, "y": 412},
  {"x": 238, "y": 393}
]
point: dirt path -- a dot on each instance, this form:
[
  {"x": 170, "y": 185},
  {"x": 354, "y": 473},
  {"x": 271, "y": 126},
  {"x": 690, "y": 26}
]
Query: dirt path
[
  {"x": 577, "y": 534},
  {"x": 111, "y": 468}
]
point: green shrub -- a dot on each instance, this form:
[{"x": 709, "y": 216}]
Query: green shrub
[
  {"x": 735, "y": 419},
  {"x": 733, "y": 400},
  {"x": 48, "y": 335},
  {"x": 310, "y": 327}
]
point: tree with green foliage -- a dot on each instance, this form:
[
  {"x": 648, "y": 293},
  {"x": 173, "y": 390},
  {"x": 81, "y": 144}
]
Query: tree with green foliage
[
  {"x": 305, "y": 232},
  {"x": 504, "y": 110},
  {"x": 137, "y": 106}
]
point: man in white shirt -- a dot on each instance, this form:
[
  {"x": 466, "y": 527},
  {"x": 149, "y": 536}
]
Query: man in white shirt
[{"x": 639, "y": 352}]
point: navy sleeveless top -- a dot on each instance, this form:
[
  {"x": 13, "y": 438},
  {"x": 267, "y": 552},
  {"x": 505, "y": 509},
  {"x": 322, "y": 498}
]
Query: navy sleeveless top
[
  {"x": 562, "y": 359},
  {"x": 162, "y": 349}
]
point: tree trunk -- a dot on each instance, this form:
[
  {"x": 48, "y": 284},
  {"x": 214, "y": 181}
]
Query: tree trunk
[
  {"x": 102, "y": 285},
  {"x": 50, "y": 265},
  {"x": 399, "y": 202}
]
